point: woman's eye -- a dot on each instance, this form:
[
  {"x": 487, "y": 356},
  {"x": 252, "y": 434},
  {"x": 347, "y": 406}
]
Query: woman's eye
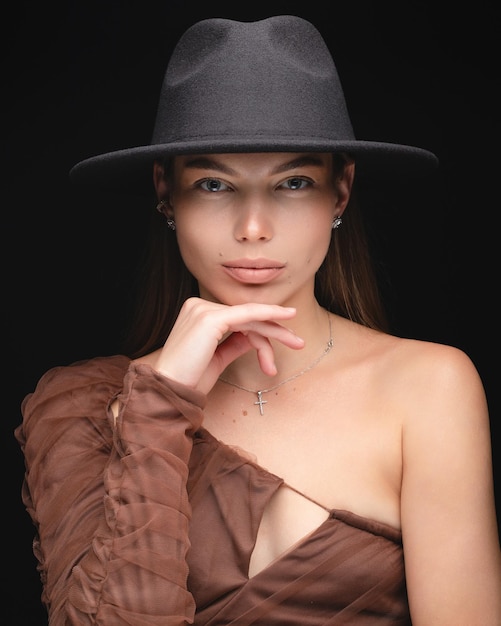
[
  {"x": 296, "y": 183},
  {"x": 213, "y": 184}
]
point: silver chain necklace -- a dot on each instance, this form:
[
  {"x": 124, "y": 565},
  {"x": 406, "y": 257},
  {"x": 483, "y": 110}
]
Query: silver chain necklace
[{"x": 259, "y": 393}]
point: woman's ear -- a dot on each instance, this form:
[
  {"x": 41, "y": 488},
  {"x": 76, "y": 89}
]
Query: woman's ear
[
  {"x": 159, "y": 181},
  {"x": 162, "y": 190},
  {"x": 344, "y": 186}
]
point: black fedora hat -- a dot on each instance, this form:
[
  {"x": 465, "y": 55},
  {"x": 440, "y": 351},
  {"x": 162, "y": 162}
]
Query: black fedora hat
[{"x": 264, "y": 86}]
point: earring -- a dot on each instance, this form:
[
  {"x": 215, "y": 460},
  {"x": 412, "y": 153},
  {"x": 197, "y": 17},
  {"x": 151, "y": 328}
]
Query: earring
[
  {"x": 336, "y": 223},
  {"x": 161, "y": 207}
]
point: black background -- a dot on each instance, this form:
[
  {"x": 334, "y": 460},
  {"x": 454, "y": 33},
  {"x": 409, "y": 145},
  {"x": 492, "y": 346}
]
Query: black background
[{"x": 82, "y": 78}]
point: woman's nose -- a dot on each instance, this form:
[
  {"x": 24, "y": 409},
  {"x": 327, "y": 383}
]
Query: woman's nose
[{"x": 254, "y": 220}]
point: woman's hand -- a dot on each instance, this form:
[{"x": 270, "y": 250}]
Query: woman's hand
[{"x": 208, "y": 336}]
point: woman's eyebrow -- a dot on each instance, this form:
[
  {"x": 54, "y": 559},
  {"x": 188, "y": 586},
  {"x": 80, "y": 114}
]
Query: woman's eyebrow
[
  {"x": 211, "y": 163},
  {"x": 301, "y": 161},
  {"x": 207, "y": 163}
]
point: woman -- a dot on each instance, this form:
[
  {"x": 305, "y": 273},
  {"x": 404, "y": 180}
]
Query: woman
[{"x": 266, "y": 453}]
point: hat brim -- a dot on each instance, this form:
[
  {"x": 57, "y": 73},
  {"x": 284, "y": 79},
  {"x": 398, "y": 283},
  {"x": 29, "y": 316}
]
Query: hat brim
[{"x": 130, "y": 170}]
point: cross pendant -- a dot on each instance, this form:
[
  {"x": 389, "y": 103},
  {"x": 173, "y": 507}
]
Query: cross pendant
[{"x": 260, "y": 401}]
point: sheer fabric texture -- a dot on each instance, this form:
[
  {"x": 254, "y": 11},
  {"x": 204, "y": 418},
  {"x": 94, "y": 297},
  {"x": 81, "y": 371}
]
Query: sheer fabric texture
[{"x": 148, "y": 520}]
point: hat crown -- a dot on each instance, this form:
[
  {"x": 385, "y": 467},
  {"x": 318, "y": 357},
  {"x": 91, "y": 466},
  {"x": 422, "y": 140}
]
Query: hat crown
[
  {"x": 269, "y": 85},
  {"x": 249, "y": 80}
]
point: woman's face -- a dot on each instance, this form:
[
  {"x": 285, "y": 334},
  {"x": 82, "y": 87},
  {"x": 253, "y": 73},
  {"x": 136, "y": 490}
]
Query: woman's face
[{"x": 254, "y": 227}]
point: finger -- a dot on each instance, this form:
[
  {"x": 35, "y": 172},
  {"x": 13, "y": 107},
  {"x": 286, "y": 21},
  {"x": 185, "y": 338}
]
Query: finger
[
  {"x": 243, "y": 316},
  {"x": 265, "y": 353},
  {"x": 231, "y": 348},
  {"x": 238, "y": 344},
  {"x": 275, "y": 331}
]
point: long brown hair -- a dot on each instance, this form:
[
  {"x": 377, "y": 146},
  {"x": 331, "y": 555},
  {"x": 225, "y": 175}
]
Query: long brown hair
[{"x": 345, "y": 284}]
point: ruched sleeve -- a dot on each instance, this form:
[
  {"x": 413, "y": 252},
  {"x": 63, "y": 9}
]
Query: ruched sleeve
[{"x": 108, "y": 496}]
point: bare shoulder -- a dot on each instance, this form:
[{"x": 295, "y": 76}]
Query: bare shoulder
[
  {"x": 435, "y": 357},
  {"x": 437, "y": 375},
  {"x": 416, "y": 365},
  {"x": 420, "y": 371},
  {"x": 422, "y": 383},
  {"x": 443, "y": 406}
]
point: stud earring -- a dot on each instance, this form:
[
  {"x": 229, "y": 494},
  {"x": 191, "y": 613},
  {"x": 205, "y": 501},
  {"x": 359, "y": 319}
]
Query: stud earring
[
  {"x": 161, "y": 207},
  {"x": 336, "y": 223}
]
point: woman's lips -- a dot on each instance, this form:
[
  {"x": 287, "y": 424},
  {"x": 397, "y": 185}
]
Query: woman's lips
[{"x": 256, "y": 271}]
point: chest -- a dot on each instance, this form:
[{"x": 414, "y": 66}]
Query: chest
[{"x": 339, "y": 447}]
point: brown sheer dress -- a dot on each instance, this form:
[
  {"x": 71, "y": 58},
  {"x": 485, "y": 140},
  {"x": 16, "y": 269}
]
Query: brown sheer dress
[{"x": 150, "y": 521}]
